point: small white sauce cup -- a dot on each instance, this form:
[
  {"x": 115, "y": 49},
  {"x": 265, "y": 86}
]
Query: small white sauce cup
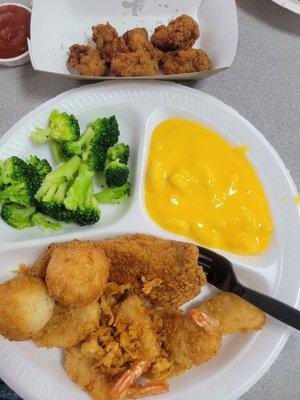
[{"x": 23, "y": 58}]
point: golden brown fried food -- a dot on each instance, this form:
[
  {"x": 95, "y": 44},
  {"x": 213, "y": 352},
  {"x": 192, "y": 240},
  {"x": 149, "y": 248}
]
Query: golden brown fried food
[
  {"x": 86, "y": 60},
  {"x": 175, "y": 263},
  {"x": 138, "y": 63},
  {"x": 108, "y": 42},
  {"x": 181, "y": 33},
  {"x": 69, "y": 326},
  {"x": 234, "y": 313},
  {"x": 25, "y": 307},
  {"x": 80, "y": 370},
  {"x": 76, "y": 275},
  {"x": 185, "y": 61}
]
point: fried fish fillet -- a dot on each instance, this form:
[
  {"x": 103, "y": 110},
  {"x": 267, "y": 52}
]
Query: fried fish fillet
[
  {"x": 181, "y": 33},
  {"x": 68, "y": 326},
  {"x": 234, "y": 313}
]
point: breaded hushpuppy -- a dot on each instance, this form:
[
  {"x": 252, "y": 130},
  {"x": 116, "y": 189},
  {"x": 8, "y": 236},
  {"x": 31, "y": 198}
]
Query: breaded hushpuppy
[
  {"x": 76, "y": 275},
  {"x": 25, "y": 307}
]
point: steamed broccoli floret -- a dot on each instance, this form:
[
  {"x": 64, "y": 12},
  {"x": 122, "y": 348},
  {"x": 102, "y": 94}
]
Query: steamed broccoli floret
[
  {"x": 17, "y": 216},
  {"x": 118, "y": 152},
  {"x": 108, "y": 128},
  {"x": 52, "y": 193},
  {"x": 89, "y": 147},
  {"x": 116, "y": 174},
  {"x": 80, "y": 198},
  {"x": 44, "y": 223},
  {"x": 20, "y": 217},
  {"x": 19, "y": 182},
  {"x": 42, "y": 166},
  {"x": 62, "y": 127},
  {"x": 114, "y": 195}
]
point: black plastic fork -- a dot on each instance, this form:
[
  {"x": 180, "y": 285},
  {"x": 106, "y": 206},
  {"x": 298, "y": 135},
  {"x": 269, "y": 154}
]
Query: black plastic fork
[{"x": 220, "y": 273}]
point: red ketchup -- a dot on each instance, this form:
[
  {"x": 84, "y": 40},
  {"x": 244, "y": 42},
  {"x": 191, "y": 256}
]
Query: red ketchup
[{"x": 14, "y": 30}]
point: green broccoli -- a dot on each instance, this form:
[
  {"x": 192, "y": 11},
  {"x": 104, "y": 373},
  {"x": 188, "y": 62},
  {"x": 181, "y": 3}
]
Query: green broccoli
[
  {"x": 108, "y": 128},
  {"x": 17, "y": 216},
  {"x": 118, "y": 152},
  {"x": 44, "y": 223},
  {"x": 62, "y": 127},
  {"x": 51, "y": 195},
  {"x": 114, "y": 195},
  {"x": 80, "y": 198},
  {"x": 18, "y": 181},
  {"x": 116, "y": 174},
  {"x": 20, "y": 217},
  {"x": 42, "y": 166},
  {"x": 89, "y": 147}
]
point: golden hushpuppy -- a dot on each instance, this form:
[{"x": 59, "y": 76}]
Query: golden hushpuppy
[
  {"x": 76, "y": 275},
  {"x": 25, "y": 307}
]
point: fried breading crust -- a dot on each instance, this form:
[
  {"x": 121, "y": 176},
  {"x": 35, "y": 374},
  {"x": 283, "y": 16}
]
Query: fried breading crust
[
  {"x": 185, "y": 61},
  {"x": 68, "y": 326},
  {"x": 76, "y": 275},
  {"x": 137, "y": 39},
  {"x": 175, "y": 263},
  {"x": 86, "y": 60},
  {"x": 25, "y": 307},
  {"x": 181, "y": 33},
  {"x": 80, "y": 370},
  {"x": 138, "y": 63},
  {"x": 234, "y": 313},
  {"x": 108, "y": 42}
]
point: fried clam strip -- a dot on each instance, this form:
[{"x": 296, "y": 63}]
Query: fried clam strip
[
  {"x": 234, "y": 313},
  {"x": 135, "y": 258},
  {"x": 68, "y": 326}
]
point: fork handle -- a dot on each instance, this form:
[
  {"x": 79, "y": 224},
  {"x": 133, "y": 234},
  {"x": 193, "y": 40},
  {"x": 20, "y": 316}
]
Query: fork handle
[{"x": 273, "y": 307}]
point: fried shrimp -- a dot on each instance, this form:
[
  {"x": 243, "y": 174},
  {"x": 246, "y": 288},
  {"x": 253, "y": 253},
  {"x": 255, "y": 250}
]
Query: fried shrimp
[
  {"x": 181, "y": 33},
  {"x": 86, "y": 60},
  {"x": 68, "y": 326},
  {"x": 234, "y": 313},
  {"x": 81, "y": 370},
  {"x": 76, "y": 275},
  {"x": 108, "y": 42},
  {"x": 138, "y": 63},
  {"x": 185, "y": 61},
  {"x": 25, "y": 307}
]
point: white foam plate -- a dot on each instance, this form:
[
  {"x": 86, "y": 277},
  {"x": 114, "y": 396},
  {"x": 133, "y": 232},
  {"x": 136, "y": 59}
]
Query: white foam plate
[
  {"x": 293, "y": 5},
  {"x": 38, "y": 374}
]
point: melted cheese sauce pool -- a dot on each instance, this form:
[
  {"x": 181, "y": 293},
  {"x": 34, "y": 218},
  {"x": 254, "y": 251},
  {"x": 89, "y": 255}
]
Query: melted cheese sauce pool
[{"x": 199, "y": 186}]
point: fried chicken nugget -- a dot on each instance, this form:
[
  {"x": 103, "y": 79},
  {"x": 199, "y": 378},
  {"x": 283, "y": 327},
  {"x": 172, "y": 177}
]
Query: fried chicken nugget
[
  {"x": 108, "y": 42},
  {"x": 185, "y": 61},
  {"x": 86, "y": 60},
  {"x": 138, "y": 63},
  {"x": 68, "y": 326},
  {"x": 137, "y": 39},
  {"x": 181, "y": 33},
  {"x": 25, "y": 307},
  {"x": 80, "y": 370},
  {"x": 76, "y": 275},
  {"x": 234, "y": 313},
  {"x": 134, "y": 257}
]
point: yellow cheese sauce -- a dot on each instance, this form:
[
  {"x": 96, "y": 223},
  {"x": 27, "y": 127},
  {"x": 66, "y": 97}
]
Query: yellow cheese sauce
[{"x": 200, "y": 186}]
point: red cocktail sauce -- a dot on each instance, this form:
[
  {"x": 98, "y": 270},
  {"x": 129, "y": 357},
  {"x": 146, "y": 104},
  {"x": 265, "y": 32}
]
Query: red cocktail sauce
[{"x": 14, "y": 30}]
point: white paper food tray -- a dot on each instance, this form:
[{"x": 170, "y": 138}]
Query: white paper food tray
[{"x": 57, "y": 24}]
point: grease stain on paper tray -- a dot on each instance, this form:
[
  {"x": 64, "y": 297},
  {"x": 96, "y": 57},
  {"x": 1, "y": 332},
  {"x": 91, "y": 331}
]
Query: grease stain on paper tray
[{"x": 135, "y": 5}]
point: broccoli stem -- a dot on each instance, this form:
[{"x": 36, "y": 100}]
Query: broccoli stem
[
  {"x": 41, "y": 135},
  {"x": 57, "y": 152},
  {"x": 77, "y": 193}
]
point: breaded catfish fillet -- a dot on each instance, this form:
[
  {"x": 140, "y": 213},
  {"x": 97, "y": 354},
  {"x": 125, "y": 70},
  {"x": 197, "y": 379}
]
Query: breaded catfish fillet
[
  {"x": 138, "y": 259},
  {"x": 68, "y": 326},
  {"x": 234, "y": 313}
]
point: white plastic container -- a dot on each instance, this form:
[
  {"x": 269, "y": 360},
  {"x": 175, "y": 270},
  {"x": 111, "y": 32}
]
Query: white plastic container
[
  {"x": 56, "y": 25},
  {"x": 23, "y": 58}
]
